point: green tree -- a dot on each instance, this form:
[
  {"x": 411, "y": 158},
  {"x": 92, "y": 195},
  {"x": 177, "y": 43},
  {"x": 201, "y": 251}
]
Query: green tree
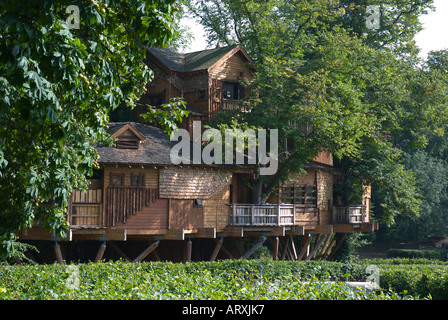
[
  {"x": 327, "y": 82},
  {"x": 58, "y": 82}
]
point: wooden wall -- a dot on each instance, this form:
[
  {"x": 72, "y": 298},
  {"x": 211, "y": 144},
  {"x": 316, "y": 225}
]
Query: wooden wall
[
  {"x": 216, "y": 210},
  {"x": 184, "y": 215},
  {"x": 153, "y": 217},
  {"x": 233, "y": 69}
]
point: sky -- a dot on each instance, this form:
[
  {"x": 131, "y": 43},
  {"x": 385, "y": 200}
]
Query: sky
[{"x": 433, "y": 37}]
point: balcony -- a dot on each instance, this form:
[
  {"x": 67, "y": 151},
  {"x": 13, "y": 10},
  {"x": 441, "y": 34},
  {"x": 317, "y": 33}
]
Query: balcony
[
  {"x": 350, "y": 214},
  {"x": 261, "y": 215}
]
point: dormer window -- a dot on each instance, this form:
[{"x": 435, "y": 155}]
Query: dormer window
[{"x": 128, "y": 137}]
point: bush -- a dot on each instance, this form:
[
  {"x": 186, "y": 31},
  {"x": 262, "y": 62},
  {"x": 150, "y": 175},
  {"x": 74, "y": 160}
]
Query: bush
[
  {"x": 436, "y": 254},
  {"x": 240, "y": 279}
]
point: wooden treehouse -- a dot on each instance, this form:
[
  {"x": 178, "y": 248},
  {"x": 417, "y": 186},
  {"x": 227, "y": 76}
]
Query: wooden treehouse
[{"x": 144, "y": 207}]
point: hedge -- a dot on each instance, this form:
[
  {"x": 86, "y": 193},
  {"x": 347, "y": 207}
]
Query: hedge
[
  {"x": 436, "y": 254},
  {"x": 227, "y": 279}
]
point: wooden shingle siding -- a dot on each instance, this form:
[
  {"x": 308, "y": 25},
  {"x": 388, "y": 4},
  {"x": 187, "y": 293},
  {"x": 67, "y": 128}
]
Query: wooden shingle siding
[
  {"x": 216, "y": 210},
  {"x": 233, "y": 69},
  {"x": 191, "y": 183}
]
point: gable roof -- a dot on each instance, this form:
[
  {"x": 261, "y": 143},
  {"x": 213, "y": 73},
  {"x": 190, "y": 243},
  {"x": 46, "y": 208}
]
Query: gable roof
[
  {"x": 195, "y": 61},
  {"x": 131, "y": 128}
]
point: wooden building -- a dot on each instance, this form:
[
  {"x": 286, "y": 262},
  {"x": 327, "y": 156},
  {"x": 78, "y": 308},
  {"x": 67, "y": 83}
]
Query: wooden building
[{"x": 143, "y": 206}]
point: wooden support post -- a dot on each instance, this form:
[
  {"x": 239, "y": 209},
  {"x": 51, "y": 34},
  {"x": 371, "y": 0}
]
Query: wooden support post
[
  {"x": 216, "y": 250},
  {"x": 227, "y": 253},
  {"x": 305, "y": 246},
  {"x": 285, "y": 248},
  {"x": 118, "y": 250},
  {"x": 316, "y": 247},
  {"x": 252, "y": 250},
  {"x": 293, "y": 246},
  {"x": 100, "y": 252},
  {"x": 275, "y": 246},
  {"x": 320, "y": 255},
  {"x": 147, "y": 251},
  {"x": 337, "y": 246},
  {"x": 57, "y": 252},
  {"x": 188, "y": 250}
]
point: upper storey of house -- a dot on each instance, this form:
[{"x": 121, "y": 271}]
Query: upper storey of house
[{"x": 208, "y": 80}]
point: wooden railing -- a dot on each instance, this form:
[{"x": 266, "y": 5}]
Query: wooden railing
[
  {"x": 122, "y": 202},
  {"x": 261, "y": 215},
  {"x": 350, "y": 214},
  {"x": 85, "y": 208}
]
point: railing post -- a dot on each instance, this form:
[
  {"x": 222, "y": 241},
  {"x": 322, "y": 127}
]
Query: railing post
[
  {"x": 234, "y": 214},
  {"x": 279, "y": 222},
  {"x": 252, "y": 212}
]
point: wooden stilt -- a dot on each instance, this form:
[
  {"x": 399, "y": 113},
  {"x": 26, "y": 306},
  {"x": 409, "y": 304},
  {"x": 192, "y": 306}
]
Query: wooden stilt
[
  {"x": 252, "y": 250},
  {"x": 316, "y": 247},
  {"x": 305, "y": 246},
  {"x": 119, "y": 251},
  {"x": 275, "y": 246},
  {"x": 57, "y": 252},
  {"x": 285, "y": 248},
  {"x": 322, "y": 251},
  {"x": 293, "y": 246},
  {"x": 188, "y": 249},
  {"x": 227, "y": 252},
  {"x": 337, "y": 246},
  {"x": 100, "y": 252},
  {"x": 156, "y": 255},
  {"x": 147, "y": 251},
  {"x": 330, "y": 246},
  {"x": 216, "y": 250}
]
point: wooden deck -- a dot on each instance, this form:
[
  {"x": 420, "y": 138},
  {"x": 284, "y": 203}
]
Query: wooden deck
[{"x": 350, "y": 214}]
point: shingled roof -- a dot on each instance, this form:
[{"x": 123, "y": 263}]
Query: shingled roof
[
  {"x": 193, "y": 61},
  {"x": 155, "y": 150}
]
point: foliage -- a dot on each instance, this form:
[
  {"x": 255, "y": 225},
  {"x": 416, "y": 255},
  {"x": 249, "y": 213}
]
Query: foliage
[
  {"x": 436, "y": 254},
  {"x": 326, "y": 82},
  {"x": 57, "y": 85},
  {"x": 202, "y": 280}
]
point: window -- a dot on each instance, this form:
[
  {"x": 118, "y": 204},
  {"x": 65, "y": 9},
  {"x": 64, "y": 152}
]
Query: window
[
  {"x": 231, "y": 91},
  {"x": 156, "y": 99},
  {"x": 137, "y": 180},
  {"x": 116, "y": 180},
  {"x": 197, "y": 203},
  {"x": 127, "y": 143},
  {"x": 300, "y": 195},
  {"x": 202, "y": 94}
]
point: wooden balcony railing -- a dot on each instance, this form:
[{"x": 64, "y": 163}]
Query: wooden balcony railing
[
  {"x": 262, "y": 215},
  {"x": 350, "y": 214}
]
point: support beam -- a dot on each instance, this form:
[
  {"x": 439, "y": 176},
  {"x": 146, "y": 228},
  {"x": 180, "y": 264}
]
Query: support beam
[
  {"x": 119, "y": 251},
  {"x": 316, "y": 247},
  {"x": 188, "y": 250},
  {"x": 275, "y": 247},
  {"x": 252, "y": 250},
  {"x": 217, "y": 248},
  {"x": 57, "y": 252},
  {"x": 100, "y": 252},
  {"x": 285, "y": 248},
  {"x": 293, "y": 246},
  {"x": 306, "y": 240},
  {"x": 337, "y": 246},
  {"x": 227, "y": 253},
  {"x": 147, "y": 251},
  {"x": 322, "y": 251}
]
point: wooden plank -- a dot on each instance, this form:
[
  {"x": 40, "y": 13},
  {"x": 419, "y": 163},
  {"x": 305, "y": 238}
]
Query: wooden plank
[
  {"x": 324, "y": 229},
  {"x": 205, "y": 233},
  {"x": 343, "y": 228},
  {"x": 275, "y": 250},
  {"x": 98, "y": 234}
]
